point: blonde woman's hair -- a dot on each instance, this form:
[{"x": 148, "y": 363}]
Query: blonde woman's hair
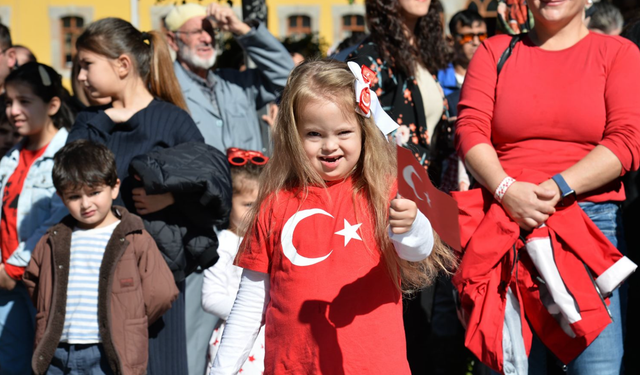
[{"x": 373, "y": 177}]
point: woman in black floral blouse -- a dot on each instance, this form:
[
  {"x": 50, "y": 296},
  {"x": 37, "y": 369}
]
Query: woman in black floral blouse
[{"x": 406, "y": 49}]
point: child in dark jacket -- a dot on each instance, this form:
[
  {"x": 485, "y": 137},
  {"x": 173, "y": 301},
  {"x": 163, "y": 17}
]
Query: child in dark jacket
[{"x": 97, "y": 278}]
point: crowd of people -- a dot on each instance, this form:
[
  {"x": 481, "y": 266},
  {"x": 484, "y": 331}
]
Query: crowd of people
[{"x": 171, "y": 216}]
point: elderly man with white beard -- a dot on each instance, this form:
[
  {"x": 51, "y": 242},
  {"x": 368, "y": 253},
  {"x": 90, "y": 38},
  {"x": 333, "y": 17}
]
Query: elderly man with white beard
[{"x": 223, "y": 104}]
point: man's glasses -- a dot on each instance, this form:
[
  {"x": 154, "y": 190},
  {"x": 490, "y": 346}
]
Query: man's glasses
[
  {"x": 197, "y": 32},
  {"x": 240, "y": 157},
  {"x": 206, "y": 27},
  {"x": 468, "y": 37}
]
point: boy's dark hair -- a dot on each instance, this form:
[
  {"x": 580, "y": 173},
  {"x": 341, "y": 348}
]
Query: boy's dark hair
[
  {"x": 464, "y": 18},
  {"x": 83, "y": 163},
  {"x": 5, "y": 37}
]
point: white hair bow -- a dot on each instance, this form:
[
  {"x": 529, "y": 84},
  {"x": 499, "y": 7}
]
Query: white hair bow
[{"x": 367, "y": 100}]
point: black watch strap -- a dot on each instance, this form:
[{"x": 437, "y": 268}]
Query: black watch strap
[{"x": 565, "y": 190}]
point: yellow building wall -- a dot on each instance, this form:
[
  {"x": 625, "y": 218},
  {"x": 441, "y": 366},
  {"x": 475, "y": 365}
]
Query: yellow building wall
[
  {"x": 31, "y": 24},
  {"x": 325, "y": 18}
]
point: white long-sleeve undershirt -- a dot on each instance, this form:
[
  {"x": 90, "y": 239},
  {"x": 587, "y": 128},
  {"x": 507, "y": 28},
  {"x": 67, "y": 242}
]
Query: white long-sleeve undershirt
[
  {"x": 221, "y": 281},
  {"x": 416, "y": 244}
]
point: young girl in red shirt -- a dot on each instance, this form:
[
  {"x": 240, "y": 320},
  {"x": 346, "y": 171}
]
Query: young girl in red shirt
[{"x": 330, "y": 248}]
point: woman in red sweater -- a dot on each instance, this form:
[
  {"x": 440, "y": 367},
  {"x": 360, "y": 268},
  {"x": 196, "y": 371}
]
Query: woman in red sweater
[{"x": 564, "y": 104}]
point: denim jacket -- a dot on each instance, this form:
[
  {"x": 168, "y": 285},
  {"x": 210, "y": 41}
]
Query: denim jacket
[{"x": 39, "y": 207}]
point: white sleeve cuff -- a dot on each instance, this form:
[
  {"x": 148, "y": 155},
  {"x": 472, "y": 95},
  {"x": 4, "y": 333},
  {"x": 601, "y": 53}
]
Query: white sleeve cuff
[
  {"x": 416, "y": 244},
  {"x": 243, "y": 324},
  {"x": 610, "y": 279}
]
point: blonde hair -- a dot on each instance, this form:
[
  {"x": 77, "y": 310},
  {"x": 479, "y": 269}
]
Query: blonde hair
[{"x": 373, "y": 177}]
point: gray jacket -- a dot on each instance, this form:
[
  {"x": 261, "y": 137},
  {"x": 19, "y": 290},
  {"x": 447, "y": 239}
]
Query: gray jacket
[{"x": 239, "y": 94}]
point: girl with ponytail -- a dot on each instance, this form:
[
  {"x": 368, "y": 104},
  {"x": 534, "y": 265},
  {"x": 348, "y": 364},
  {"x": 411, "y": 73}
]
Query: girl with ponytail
[
  {"x": 143, "y": 55},
  {"x": 147, "y": 112}
]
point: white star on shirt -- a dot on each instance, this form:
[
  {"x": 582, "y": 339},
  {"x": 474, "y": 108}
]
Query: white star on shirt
[{"x": 349, "y": 232}]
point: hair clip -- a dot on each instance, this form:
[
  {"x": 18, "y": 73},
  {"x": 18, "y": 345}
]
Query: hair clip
[
  {"x": 367, "y": 100},
  {"x": 44, "y": 76},
  {"x": 239, "y": 157},
  {"x": 146, "y": 37}
]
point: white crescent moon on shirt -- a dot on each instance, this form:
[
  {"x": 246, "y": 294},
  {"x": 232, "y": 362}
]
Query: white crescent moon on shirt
[
  {"x": 406, "y": 173},
  {"x": 289, "y": 250}
]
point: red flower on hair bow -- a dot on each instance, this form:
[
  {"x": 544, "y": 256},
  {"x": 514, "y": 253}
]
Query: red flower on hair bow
[
  {"x": 367, "y": 100},
  {"x": 367, "y": 75},
  {"x": 365, "y": 94}
]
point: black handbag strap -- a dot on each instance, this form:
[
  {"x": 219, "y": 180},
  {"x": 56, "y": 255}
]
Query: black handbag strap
[{"x": 507, "y": 52}]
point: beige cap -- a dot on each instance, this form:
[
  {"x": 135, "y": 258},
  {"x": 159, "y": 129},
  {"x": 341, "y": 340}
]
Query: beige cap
[{"x": 181, "y": 14}]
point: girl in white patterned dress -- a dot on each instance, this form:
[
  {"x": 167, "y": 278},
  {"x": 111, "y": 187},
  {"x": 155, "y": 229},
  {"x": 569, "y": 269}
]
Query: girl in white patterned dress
[{"x": 222, "y": 280}]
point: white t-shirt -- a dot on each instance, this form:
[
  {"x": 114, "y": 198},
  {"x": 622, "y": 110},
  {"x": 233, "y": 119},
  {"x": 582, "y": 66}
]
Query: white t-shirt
[{"x": 459, "y": 79}]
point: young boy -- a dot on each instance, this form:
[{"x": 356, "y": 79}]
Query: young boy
[{"x": 97, "y": 278}]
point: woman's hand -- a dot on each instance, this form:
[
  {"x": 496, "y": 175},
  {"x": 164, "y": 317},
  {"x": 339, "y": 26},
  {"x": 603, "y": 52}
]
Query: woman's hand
[
  {"x": 551, "y": 186},
  {"x": 120, "y": 115},
  {"x": 6, "y": 282},
  {"x": 402, "y": 214},
  {"x": 148, "y": 204},
  {"x": 528, "y": 204}
]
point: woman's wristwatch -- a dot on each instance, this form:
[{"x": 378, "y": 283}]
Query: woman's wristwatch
[{"x": 567, "y": 194}]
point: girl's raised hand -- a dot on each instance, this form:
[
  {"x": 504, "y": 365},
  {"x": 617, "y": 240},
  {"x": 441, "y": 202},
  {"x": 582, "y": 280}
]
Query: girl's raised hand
[
  {"x": 119, "y": 115},
  {"x": 402, "y": 214}
]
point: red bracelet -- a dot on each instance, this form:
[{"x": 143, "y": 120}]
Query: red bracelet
[{"x": 501, "y": 190}]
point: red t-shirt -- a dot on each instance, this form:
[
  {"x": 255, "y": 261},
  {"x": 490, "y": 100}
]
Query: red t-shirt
[
  {"x": 334, "y": 308},
  {"x": 551, "y": 108},
  {"x": 9, "y": 241}
]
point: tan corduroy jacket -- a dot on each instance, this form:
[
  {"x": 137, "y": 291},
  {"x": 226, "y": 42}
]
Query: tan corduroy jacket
[{"x": 135, "y": 288}]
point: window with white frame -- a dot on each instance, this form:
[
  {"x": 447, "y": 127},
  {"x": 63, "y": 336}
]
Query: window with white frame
[
  {"x": 71, "y": 28},
  {"x": 298, "y": 25}
]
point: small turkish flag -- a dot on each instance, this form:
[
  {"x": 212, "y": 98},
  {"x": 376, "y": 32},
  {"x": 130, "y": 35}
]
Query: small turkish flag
[{"x": 440, "y": 208}]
